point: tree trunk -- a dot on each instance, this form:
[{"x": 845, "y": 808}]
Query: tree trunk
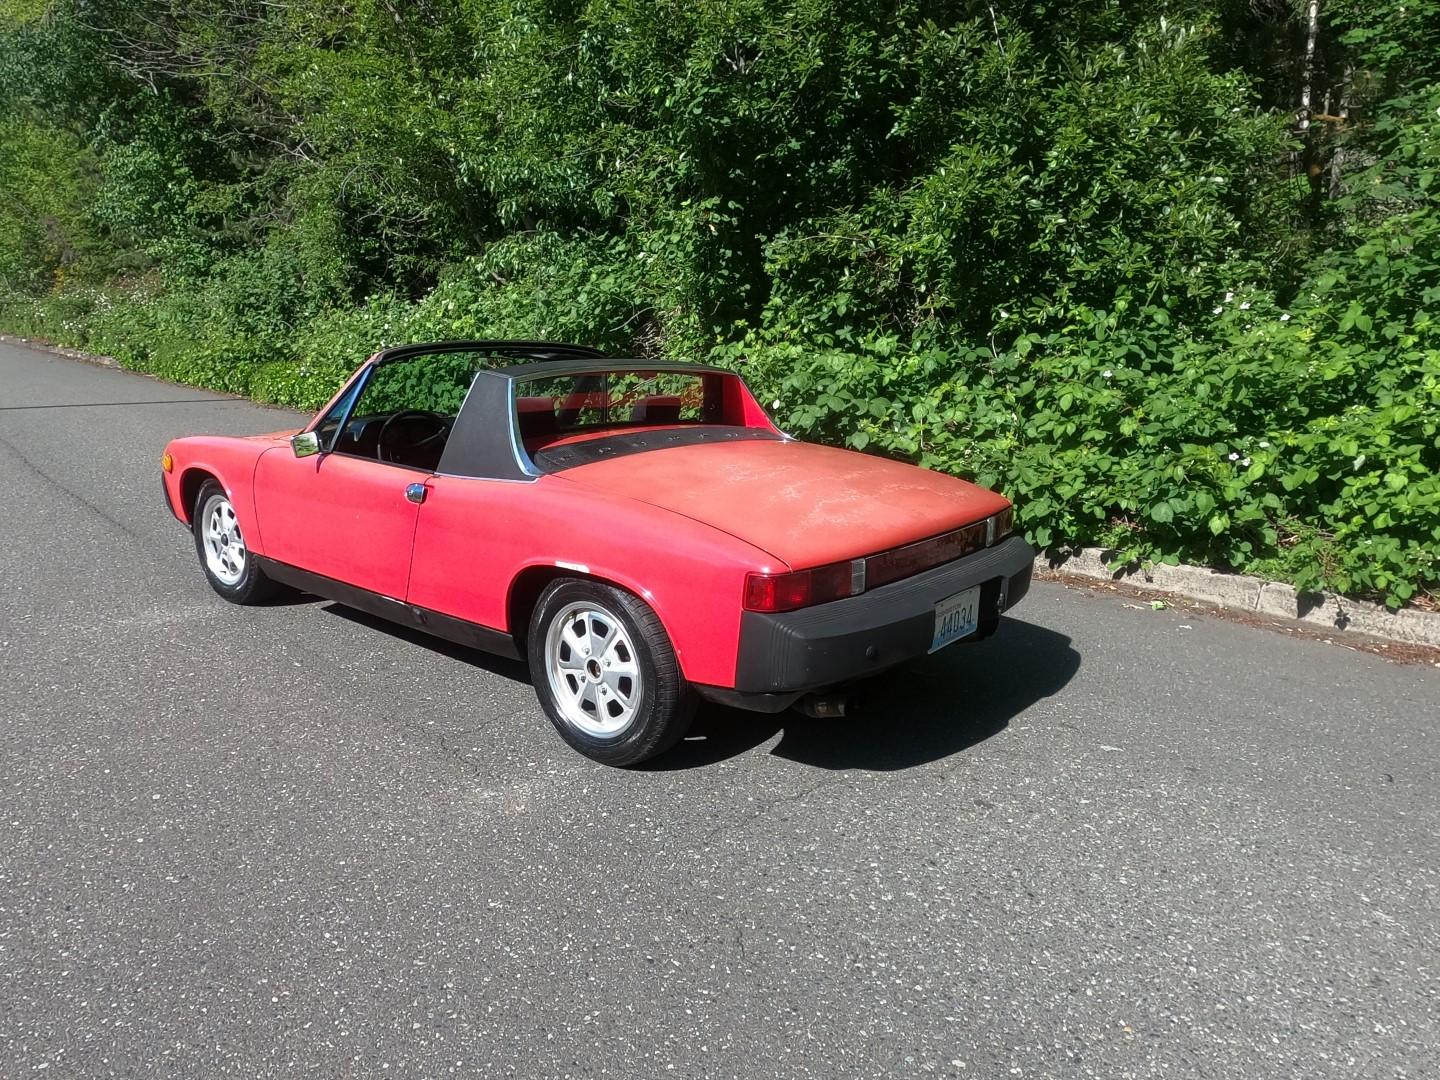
[
  {"x": 1310, "y": 152},
  {"x": 1337, "y": 156},
  {"x": 1307, "y": 77}
]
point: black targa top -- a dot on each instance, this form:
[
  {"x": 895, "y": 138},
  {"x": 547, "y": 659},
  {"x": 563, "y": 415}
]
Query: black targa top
[{"x": 485, "y": 439}]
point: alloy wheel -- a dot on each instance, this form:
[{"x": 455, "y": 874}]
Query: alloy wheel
[
  {"x": 593, "y": 671},
  {"x": 225, "y": 552}
]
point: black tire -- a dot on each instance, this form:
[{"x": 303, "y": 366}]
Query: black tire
[
  {"x": 664, "y": 703},
  {"x": 250, "y": 586}
]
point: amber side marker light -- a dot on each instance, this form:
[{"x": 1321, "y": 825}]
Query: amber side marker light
[{"x": 167, "y": 462}]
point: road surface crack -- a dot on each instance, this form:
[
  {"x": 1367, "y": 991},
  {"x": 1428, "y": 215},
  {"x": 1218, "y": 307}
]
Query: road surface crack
[{"x": 74, "y": 495}]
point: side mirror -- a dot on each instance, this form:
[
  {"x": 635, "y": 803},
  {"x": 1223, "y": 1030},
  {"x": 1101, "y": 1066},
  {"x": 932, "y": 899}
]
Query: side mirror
[{"x": 305, "y": 444}]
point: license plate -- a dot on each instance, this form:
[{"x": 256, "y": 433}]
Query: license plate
[{"x": 956, "y": 617}]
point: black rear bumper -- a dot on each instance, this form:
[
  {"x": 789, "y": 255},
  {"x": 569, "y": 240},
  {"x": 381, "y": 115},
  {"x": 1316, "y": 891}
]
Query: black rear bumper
[{"x": 783, "y": 656}]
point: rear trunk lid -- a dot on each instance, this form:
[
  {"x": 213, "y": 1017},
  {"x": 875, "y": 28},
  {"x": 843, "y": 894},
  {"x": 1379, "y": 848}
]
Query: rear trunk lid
[{"x": 804, "y": 504}]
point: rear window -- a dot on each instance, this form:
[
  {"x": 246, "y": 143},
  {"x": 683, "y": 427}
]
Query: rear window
[{"x": 559, "y": 405}]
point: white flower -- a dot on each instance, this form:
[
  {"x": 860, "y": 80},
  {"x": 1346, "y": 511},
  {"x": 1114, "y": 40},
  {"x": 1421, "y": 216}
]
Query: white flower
[
  {"x": 777, "y": 404},
  {"x": 1245, "y": 306},
  {"x": 1107, "y": 374},
  {"x": 1229, "y": 296},
  {"x": 1285, "y": 317},
  {"x": 1245, "y": 463},
  {"x": 1217, "y": 311},
  {"x": 1234, "y": 456},
  {"x": 1264, "y": 445}
]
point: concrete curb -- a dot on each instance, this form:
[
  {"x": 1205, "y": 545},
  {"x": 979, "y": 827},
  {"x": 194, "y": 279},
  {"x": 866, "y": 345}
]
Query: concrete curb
[{"x": 1336, "y": 613}]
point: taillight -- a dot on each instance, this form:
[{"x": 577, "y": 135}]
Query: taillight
[
  {"x": 911, "y": 559},
  {"x": 786, "y": 592},
  {"x": 835, "y": 581},
  {"x": 1004, "y": 523}
]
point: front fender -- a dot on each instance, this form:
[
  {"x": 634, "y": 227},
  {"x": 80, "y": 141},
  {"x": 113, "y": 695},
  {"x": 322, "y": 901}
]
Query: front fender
[{"x": 231, "y": 463}]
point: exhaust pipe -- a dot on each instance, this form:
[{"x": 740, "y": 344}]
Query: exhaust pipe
[{"x": 826, "y": 706}]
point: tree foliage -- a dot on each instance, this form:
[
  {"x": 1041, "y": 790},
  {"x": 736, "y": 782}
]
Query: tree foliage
[{"x": 1094, "y": 252}]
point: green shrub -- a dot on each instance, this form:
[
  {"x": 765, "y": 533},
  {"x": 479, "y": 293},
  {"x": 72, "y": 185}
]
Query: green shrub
[
  {"x": 1303, "y": 443},
  {"x": 1080, "y": 251}
]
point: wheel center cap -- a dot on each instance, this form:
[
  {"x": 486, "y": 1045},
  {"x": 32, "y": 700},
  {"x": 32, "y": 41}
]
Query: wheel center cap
[{"x": 592, "y": 668}]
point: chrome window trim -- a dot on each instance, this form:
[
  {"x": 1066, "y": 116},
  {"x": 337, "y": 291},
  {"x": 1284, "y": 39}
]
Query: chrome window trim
[
  {"x": 517, "y": 445},
  {"x": 357, "y": 384}
]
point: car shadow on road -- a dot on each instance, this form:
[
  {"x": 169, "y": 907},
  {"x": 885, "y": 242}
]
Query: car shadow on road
[
  {"x": 919, "y": 713},
  {"x": 515, "y": 670},
  {"x": 916, "y": 714}
]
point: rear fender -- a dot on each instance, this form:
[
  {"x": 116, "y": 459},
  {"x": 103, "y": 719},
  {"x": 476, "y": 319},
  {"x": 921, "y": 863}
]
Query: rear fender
[
  {"x": 534, "y": 576},
  {"x": 690, "y": 574}
]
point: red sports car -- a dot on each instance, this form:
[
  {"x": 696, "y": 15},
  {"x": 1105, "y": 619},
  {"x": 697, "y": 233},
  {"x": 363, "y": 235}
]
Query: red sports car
[{"x": 640, "y": 531}]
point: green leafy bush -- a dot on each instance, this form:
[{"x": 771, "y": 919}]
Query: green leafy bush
[
  {"x": 1087, "y": 252},
  {"x": 1301, "y": 442}
]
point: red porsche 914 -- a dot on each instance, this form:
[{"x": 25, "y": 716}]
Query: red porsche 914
[{"x": 639, "y": 531}]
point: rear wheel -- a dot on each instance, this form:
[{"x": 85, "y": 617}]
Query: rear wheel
[
  {"x": 606, "y": 674},
  {"x": 226, "y": 560}
]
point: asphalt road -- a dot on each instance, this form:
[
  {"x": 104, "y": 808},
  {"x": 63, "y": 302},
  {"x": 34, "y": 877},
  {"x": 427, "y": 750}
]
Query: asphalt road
[{"x": 291, "y": 841}]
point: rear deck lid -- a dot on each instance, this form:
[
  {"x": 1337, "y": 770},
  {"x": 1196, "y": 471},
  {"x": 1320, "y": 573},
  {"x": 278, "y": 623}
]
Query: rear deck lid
[{"x": 804, "y": 504}]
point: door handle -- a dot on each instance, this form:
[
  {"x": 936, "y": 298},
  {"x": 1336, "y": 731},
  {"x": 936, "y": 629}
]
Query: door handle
[{"x": 415, "y": 493}]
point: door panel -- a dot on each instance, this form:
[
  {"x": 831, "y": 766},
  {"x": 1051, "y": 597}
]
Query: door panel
[
  {"x": 341, "y": 516},
  {"x": 467, "y": 543}
]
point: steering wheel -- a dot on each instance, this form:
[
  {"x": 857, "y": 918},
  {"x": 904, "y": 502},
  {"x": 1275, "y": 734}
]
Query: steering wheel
[{"x": 442, "y": 428}]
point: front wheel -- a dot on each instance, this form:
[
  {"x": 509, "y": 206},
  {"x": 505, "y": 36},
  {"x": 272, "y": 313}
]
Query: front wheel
[
  {"x": 606, "y": 674},
  {"x": 226, "y": 560}
]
